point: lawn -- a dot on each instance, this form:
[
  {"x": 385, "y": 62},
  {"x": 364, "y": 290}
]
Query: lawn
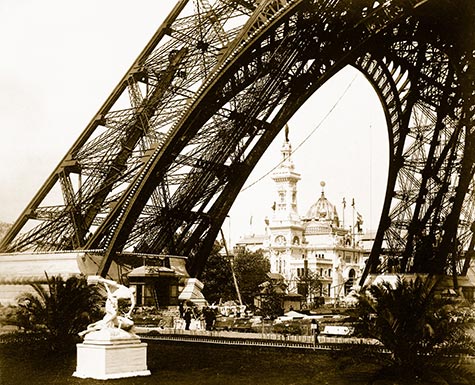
[
  {"x": 179, "y": 363},
  {"x": 174, "y": 363}
]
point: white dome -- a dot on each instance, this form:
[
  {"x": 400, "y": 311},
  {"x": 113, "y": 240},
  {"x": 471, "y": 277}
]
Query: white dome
[{"x": 323, "y": 210}]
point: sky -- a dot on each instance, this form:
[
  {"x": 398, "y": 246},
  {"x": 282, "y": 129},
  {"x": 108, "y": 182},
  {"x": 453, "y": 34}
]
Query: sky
[{"x": 62, "y": 59}]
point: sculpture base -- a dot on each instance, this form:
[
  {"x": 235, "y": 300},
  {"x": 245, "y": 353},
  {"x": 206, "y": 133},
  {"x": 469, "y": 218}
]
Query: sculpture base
[{"x": 111, "y": 358}]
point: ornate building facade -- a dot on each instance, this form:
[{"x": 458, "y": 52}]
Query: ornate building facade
[{"x": 315, "y": 245}]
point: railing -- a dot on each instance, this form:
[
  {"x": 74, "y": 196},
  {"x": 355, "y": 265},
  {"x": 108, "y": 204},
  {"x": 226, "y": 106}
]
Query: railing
[{"x": 257, "y": 339}]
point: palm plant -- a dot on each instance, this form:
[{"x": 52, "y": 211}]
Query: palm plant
[
  {"x": 61, "y": 308},
  {"x": 419, "y": 327}
]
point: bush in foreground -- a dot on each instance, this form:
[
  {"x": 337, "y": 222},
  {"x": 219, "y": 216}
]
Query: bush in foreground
[
  {"x": 423, "y": 331},
  {"x": 60, "y": 309}
]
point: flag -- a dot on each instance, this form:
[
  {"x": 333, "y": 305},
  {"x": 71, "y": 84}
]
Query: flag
[
  {"x": 359, "y": 221},
  {"x": 359, "y": 218}
]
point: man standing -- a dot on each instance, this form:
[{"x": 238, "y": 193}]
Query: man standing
[
  {"x": 315, "y": 328},
  {"x": 187, "y": 318}
]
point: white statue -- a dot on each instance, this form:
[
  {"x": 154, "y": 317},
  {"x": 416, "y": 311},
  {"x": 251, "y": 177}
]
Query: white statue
[{"x": 112, "y": 319}]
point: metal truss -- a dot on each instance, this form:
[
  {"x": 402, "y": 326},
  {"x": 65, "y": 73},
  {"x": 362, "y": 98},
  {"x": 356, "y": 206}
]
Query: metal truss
[{"x": 163, "y": 160}]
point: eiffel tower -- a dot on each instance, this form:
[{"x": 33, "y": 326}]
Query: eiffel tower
[{"x": 161, "y": 163}]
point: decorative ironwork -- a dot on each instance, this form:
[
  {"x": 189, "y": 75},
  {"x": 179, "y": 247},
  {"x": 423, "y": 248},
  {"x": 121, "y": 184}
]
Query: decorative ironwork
[{"x": 161, "y": 163}]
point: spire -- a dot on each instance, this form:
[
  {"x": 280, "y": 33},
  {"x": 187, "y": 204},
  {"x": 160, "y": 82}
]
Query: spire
[
  {"x": 285, "y": 178},
  {"x": 286, "y": 151}
]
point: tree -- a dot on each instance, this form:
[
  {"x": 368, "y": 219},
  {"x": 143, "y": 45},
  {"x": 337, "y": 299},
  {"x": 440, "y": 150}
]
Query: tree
[
  {"x": 310, "y": 285},
  {"x": 271, "y": 300},
  {"x": 419, "y": 327},
  {"x": 217, "y": 278},
  {"x": 251, "y": 270},
  {"x": 62, "y": 308}
]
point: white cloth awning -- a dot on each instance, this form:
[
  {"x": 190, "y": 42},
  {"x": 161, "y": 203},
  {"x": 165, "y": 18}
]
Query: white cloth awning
[
  {"x": 25, "y": 268},
  {"x": 294, "y": 315}
]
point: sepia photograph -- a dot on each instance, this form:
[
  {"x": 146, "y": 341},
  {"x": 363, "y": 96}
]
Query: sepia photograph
[{"x": 237, "y": 191}]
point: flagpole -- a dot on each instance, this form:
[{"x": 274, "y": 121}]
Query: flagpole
[
  {"x": 344, "y": 207},
  {"x": 353, "y": 228},
  {"x": 353, "y": 221}
]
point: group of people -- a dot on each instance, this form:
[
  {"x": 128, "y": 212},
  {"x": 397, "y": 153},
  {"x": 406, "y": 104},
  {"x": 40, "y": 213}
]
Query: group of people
[{"x": 189, "y": 312}]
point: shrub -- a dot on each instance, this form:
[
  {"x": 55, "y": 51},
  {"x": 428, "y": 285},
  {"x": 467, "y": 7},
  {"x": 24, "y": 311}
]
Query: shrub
[
  {"x": 10, "y": 315},
  {"x": 421, "y": 329},
  {"x": 61, "y": 308},
  {"x": 288, "y": 328}
]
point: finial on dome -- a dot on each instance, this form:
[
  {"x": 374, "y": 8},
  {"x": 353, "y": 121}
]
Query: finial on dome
[
  {"x": 286, "y": 132},
  {"x": 322, "y": 183}
]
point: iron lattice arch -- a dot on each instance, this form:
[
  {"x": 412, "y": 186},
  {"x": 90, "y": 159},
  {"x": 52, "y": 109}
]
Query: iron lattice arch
[{"x": 160, "y": 164}]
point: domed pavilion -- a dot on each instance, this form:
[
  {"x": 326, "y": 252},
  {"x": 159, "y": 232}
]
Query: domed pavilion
[{"x": 314, "y": 245}]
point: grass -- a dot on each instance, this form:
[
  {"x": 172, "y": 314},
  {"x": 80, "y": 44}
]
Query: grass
[{"x": 173, "y": 363}]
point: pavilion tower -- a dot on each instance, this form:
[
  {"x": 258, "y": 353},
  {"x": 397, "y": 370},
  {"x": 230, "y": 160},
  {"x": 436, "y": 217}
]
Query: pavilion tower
[
  {"x": 285, "y": 226},
  {"x": 286, "y": 179}
]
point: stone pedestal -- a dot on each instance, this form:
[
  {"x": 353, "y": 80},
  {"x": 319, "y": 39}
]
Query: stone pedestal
[{"x": 111, "y": 353}]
